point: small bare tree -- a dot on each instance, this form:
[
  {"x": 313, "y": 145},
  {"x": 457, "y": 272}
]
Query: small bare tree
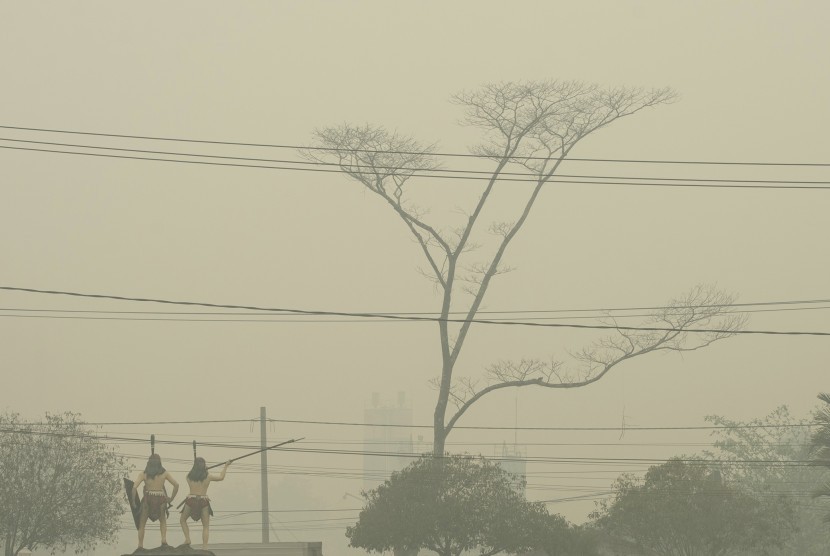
[{"x": 532, "y": 127}]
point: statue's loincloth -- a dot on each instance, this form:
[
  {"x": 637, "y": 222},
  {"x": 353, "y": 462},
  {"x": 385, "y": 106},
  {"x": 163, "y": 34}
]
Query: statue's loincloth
[
  {"x": 196, "y": 503},
  {"x": 156, "y": 502}
]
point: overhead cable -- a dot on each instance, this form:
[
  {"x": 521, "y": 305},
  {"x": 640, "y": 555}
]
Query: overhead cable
[
  {"x": 482, "y": 311},
  {"x": 447, "y": 154},
  {"x": 467, "y": 427},
  {"x": 327, "y": 170},
  {"x": 413, "y": 455},
  {"x": 204, "y": 316},
  {"x": 421, "y": 318},
  {"x": 424, "y": 172}
]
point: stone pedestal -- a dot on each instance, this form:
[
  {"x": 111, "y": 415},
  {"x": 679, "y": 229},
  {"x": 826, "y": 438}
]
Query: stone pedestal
[
  {"x": 181, "y": 550},
  {"x": 237, "y": 549},
  {"x": 268, "y": 549}
]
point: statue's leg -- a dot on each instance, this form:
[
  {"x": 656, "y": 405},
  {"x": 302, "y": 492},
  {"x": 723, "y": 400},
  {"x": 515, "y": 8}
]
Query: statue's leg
[
  {"x": 142, "y": 524},
  {"x": 163, "y": 526},
  {"x": 205, "y": 527},
  {"x": 183, "y": 520}
]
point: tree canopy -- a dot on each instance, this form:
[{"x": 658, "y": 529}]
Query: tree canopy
[
  {"x": 528, "y": 130},
  {"x": 821, "y": 445},
  {"x": 60, "y": 487},
  {"x": 556, "y": 537},
  {"x": 450, "y": 505},
  {"x": 685, "y": 508},
  {"x": 784, "y": 481}
]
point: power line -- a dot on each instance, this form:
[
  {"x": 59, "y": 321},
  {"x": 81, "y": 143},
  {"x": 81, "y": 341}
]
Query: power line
[
  {"x": 325, "y": 170},
  {"x": 421, "y": 318},
  {"x": 468, "y": 427},
  {"x": 170, "y": 316},
  {"x": 525, "y": 428},
  {"x": 190, "y": 422},
  {"x": 483, "y": 311},
  {"x": 341, "y": 472},
  {"x": 22, "y": 429},
  {"x": 446, "y": 154},
  {"x": 600, "y": 313},
  {"x": 486, "y": 174},
  {"x": 527, "y": 459},
  {"x": 497, "y": 444},
  {"x": 574, "y": 460}
]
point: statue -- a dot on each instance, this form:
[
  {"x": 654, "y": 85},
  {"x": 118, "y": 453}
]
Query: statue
[
  {"x": 197, "y": 504},
  {"x": 155, "y": 503}
]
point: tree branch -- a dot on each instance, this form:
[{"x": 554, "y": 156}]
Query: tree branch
[
  {"x": 702, "y": 307},
  {"x": 383, "y": 162}
]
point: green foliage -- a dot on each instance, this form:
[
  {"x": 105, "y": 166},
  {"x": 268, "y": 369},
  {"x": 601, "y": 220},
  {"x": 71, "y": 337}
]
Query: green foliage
[
  {"x": 450, "y": 505},
  {"x": 821, "y": 445},
  {"x": 556, "y": 537},
  {"x": 60, "y": 485},
  {"x": 685, "y": 508},
  {"x": 785, "y": 478}
]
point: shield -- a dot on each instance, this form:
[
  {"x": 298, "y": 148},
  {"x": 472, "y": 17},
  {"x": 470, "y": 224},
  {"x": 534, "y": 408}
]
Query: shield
[{"x": 135, "y": 503}]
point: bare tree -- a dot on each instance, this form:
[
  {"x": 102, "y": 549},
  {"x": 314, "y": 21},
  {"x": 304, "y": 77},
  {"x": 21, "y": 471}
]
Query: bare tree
[{"x": 531, "y": 127}]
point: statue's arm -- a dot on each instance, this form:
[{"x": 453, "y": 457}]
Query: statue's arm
[
  {"x": 173, "y": 482},
  {"x": 221, "y": 476},
  {"x": 138, "y": 480}
]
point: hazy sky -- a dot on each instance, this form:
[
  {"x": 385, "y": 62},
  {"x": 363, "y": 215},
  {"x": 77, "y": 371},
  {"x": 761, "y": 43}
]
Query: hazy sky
[{"x": 754, "y": 87}]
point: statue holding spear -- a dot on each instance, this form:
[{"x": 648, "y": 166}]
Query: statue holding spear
[{"x": 196, "y": 505}]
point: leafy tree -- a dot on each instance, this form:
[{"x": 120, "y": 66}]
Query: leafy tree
[
  {"x": 684, "y": 508},
  {"x": 821, "y": 444},
  {"x": 59, "y": 487},
  {"x": 450, "y": 505},
  {"x": 770, "y": 458},
  {"x": 529, "y": 130},
  {"x": 556, "y": 537}
]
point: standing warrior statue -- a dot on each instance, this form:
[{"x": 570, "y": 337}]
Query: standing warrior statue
[
  {"x": 155, "y": 503},
  {"x": 197, "y": 503}
]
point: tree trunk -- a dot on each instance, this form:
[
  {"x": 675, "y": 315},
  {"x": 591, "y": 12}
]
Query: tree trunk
[
  {"x": 439, "y": 418},
  {"x": 439, "y": 434},
  {"x": 440, "y": 437}
]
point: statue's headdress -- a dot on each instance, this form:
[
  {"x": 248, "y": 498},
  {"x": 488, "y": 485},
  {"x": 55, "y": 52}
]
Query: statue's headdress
[
  {"x": 199, "y": 470},
  {"x": 154, "y": 466}
]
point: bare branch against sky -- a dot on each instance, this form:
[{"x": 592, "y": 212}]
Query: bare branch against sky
[{"x": 536, "y": 125}]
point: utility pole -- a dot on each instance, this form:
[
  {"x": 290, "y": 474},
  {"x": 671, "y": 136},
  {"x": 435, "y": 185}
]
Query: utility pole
[{"x": 264, "y": 470}]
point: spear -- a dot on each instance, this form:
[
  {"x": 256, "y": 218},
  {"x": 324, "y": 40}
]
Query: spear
[{"x": 258, "y": 451}]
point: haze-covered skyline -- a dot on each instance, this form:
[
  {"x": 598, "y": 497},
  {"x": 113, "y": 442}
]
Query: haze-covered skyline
[{"x": 752, "y": 87}]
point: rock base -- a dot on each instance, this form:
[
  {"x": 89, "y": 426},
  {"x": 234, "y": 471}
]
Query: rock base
[{"x": 167, "y": 550}]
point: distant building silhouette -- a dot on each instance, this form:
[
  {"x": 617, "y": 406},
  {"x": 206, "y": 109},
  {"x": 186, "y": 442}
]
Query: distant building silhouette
[
  {"x": 512, "y": 460},
  {"x": 392, "y": 435},
  {"x": 389, "y": 446}
]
